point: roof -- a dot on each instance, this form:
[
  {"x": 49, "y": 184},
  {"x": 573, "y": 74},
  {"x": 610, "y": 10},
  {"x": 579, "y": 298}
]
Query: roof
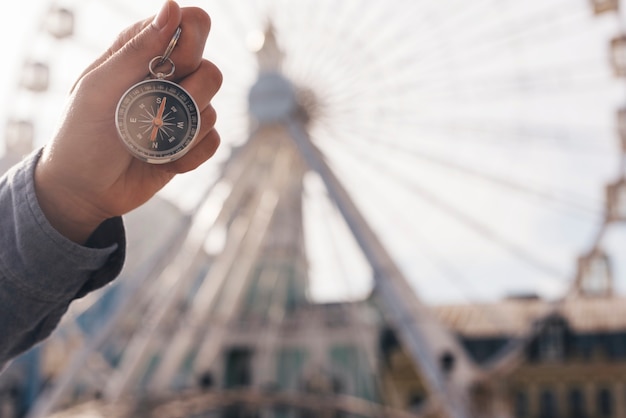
[{"x": 512, "y": 317}]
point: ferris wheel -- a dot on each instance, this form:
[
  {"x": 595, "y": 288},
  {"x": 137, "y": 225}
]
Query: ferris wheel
[{"x": 475, "y": 140}]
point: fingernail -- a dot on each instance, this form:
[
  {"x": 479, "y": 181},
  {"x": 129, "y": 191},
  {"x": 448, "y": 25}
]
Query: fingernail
[{"x": 161, "y": 18}]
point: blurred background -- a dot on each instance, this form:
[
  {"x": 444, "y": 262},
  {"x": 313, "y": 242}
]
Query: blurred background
[{"x": 417, "y": 210}]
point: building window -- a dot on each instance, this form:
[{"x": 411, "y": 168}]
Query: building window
[
  {"x": 521, "y": 404},
  {"x": 290, "y": 363},
  {"x": 551, "y": 341},
  {"x": 595, "y": 274},
  {"x": 349, "y": 364},
  {"x": 238, "y": 371},
  {"x": 614, "y": 345},
  {"x": 576, "y": 403},
  {"x": 548, "y": 407},
  {"x": 605, "y": 403}
]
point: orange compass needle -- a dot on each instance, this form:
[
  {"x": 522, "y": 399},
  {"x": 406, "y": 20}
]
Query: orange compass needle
[{"x": 158, "y": 120}]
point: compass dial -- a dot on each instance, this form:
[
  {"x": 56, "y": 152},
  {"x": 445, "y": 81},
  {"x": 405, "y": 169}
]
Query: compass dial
[{"x": 157, "y": 120}]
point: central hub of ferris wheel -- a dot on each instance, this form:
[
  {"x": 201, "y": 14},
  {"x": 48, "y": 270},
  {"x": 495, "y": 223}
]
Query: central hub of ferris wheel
[{"x": 273, "y": 97}]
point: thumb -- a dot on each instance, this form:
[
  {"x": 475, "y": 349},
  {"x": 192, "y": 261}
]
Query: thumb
[{"x": 129, "y": 64}]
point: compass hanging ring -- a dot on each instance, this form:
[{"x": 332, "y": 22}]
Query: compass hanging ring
[
  {"x": 161, "y": 61},
  {"x": 170, "y": 46}
]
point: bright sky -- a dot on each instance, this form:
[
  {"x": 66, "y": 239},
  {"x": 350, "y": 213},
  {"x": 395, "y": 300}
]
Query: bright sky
[
  {"x": 477, "y": 138},
  {"x": 20, "y": 22}
]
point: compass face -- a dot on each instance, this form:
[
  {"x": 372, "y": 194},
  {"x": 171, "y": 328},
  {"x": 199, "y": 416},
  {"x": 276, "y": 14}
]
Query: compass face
[{"x": 157, "y": 120}]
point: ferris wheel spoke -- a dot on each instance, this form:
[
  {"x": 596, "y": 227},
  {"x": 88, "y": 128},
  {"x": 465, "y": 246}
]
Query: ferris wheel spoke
[
  {"x": 474, "y": 55},
  {"x": 583, "y": 73},
  {"x": 413, "y": 226},
  {"x": 467, "y": 288},
  {"x": 468, "y": 221},
  {"x": 506, "y": 157},
  {"x": 521, "y": 87},
  {"x": 568, "y": 201},
  {"x": 585, "y": 141}
]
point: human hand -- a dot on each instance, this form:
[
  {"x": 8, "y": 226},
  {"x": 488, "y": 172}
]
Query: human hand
[{"x": 85, "y": 174}]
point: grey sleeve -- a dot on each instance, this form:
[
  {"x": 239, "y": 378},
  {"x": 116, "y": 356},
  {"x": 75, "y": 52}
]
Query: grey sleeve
[{"x": 41, "y": 271}]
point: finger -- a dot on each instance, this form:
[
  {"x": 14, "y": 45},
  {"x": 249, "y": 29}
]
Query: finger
[
  {"x": 203, "y": 83},
  {"x": 130, "y": 63},
  {"x": 126, "y": 35},
  {"x": 203, "y": 150},
  {"x": 195, "y": 26},
  {"x": 208, "y": 119},
  {"x": 131, "y": 60}
]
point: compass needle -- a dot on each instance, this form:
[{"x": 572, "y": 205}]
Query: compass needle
[{"x": 158, "y": 120}]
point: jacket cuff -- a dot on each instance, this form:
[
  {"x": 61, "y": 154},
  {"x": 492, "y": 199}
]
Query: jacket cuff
[{"x": 42, "y": 262}]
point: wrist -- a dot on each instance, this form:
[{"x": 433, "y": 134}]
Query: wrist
[{"x": 64, "y": 209}]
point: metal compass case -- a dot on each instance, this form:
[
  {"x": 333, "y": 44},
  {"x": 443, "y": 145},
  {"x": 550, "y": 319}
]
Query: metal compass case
[{"x": 157, "y": 119}]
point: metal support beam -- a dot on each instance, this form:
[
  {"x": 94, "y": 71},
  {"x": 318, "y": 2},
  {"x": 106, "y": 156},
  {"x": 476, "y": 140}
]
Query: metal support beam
[{"x": 424, "y": 338}]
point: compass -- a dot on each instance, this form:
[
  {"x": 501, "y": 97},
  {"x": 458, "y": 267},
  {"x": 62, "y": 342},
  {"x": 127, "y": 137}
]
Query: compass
[{"x": 157, "y": 120}]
